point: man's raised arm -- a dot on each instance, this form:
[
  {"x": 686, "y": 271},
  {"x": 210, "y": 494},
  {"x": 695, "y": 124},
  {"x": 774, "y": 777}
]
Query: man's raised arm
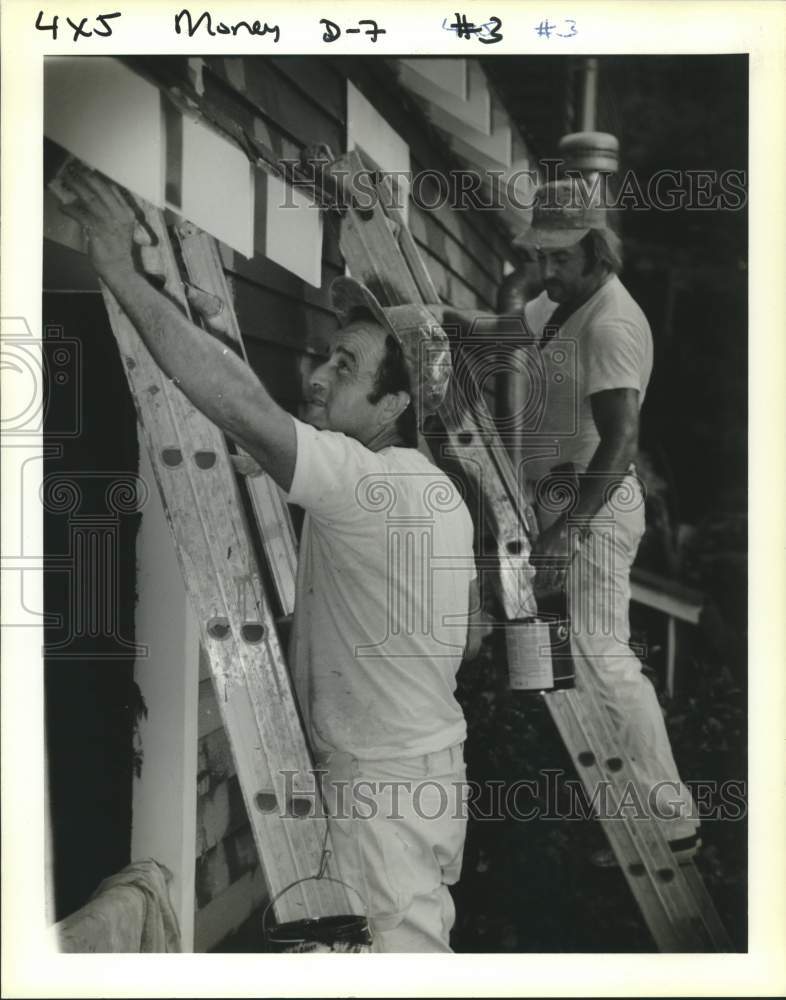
[{"x": 218, "y": 382}]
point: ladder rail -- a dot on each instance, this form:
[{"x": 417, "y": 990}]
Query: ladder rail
[
  {"x": 369, "y": 242},
  {"x": 659, "y": 884},
  {"x": 201, "y": 499},
  {"x": 205, "y": 270}
]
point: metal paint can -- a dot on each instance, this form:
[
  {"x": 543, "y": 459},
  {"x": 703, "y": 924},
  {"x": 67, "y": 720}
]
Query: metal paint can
[
  {"x": 539, "y": 654},
  {"x": 344, "y": 932}
]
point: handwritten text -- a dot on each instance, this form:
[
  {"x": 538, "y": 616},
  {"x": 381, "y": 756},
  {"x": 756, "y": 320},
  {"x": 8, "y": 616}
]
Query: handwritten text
[
  {"x": 221, "y": 28},
  {"x": 80, "y": 31}
]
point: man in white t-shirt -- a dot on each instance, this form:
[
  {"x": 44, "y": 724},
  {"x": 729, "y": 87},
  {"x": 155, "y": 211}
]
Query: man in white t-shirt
[
  {"x": 385, "y": 571},
  {"x": 595, "y": 351}
]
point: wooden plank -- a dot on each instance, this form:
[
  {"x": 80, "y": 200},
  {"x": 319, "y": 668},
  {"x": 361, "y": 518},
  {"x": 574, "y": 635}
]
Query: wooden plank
[
  {"x": 227, "y": 912},
  {"x": 163, "y": 818},
  {"x": 669, "y": 596}
]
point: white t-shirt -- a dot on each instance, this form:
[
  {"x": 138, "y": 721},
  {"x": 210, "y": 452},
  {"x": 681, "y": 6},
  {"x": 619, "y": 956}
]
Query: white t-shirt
[
  {"x": 605, "y": 344},
  {"x": 382, "y": 595}
]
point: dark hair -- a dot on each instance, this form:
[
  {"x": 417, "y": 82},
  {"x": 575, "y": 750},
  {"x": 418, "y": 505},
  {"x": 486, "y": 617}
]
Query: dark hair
[
  {"x": 602, "y": 247},
  {"x": 392, "y": 377}
]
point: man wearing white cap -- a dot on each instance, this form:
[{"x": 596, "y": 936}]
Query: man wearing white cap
[
  {"x": 384, "y": 572},
  {"x": 590, "y": 421}
]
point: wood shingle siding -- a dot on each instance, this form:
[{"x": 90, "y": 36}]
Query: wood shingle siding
[{"x": 295, "y": 118}]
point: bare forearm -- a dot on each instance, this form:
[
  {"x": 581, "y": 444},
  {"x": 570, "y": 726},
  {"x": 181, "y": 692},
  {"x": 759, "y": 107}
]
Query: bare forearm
[
  {"x": 616, "y": 416},
  {"x": 219, "y": 383},
  {"x": 212, "y": 376},
  {"x": 608, "y": 465}
]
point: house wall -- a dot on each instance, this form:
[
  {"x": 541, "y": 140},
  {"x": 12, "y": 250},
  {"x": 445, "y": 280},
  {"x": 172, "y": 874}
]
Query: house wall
[{"x": 286, "y": 103}]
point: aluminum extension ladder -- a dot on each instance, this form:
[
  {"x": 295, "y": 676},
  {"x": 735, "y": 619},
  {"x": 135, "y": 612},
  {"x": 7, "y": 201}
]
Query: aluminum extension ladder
[{"x": 205, "y": 510}]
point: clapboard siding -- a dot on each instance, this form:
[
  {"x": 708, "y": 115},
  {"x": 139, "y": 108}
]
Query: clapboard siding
[
  {"x": 472, "y": 229},
  {"x": 266, "y": 314},
  {"x": 433, "y": 242},
  {"x": 319, "y": 80},
  {"x": 224, "y": 864},
  {"x": 262, "y": 86},
  {"x": 455, "y": 247},
  {"x": 224, "y": 914},
  {"x": 450, "y": 287},
  {"x": 221, "y": 812}
]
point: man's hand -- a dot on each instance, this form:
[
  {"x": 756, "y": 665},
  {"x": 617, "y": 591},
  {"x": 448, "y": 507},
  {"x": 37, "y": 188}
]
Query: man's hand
[
  {"x": 217, "y": 381},
  {"x": 108, "y": 220},
  {"x": 552, "y": 554}
]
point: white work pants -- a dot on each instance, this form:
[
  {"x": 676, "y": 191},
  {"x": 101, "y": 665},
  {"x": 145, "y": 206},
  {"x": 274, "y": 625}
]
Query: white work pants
[
  {"x": 599, "y": 601},
  {"x": 397, "y": 830}
]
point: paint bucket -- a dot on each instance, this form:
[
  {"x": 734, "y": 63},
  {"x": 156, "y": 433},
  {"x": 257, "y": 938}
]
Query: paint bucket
[
  {"x": 539, "y": 654},
  {"x": 346, "y": 932}
]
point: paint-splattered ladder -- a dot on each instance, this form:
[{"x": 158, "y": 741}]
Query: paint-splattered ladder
[{"x": 204, "y": 506}]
